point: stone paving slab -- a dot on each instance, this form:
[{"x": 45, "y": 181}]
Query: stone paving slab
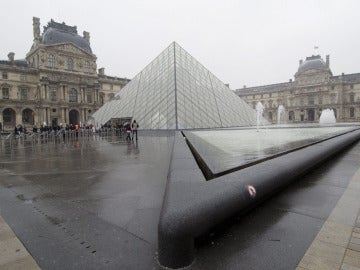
[
  {"x": 13, "y": 254},
  {"x": 337, "y": 245}
]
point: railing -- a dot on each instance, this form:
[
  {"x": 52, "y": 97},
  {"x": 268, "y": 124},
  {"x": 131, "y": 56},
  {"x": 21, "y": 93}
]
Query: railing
[{"x": 9, "y": 140}]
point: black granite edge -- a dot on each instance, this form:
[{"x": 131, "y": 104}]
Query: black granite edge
[
  {"x": 193, "y": 205},
  {"x": 210, "y": 172}
]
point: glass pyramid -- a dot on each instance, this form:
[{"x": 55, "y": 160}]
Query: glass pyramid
[{"x": 176, "y": 92}]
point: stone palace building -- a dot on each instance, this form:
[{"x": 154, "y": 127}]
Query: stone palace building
[
  {"x": 314, "y": 89},
  {"x": 58, "y": 82}
]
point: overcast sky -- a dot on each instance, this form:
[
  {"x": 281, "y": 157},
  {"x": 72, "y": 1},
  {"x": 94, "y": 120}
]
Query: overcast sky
[{"x": 241, "y": 42}]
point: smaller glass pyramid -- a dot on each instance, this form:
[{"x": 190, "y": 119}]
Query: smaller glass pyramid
[{"x": 176, "y": 92}]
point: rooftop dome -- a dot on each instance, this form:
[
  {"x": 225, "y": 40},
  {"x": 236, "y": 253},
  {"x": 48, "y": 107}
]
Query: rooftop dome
[
  {"x": 55, "y": 33},
  {"x": 313, "y": 62}
]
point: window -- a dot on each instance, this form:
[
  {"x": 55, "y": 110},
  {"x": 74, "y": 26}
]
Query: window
[
  {"x": 351, "y": 86},
  {"x": 352, "y": 112},
  {"x": 270, "y": 103},
  {"x": 53, "y": 96},
  {"x": 51, "y": 61},
  {"x": 270, "y": 116},
  {"x": 291, "y": 116},
  {"x": 333, "y": 99},
  {"x": 73, "y": 95},
  {"x": 4, "y": 75},
  {"x": 311, "y": 100},
  {"x": 352, "y": 98},
  {"x": 23, "y": 94},
  {"x": 301, "y": 101},
  {"x": 320, "y": 100},
  {"x": 5, "y": 93},
  {"x": 8, "y": 115},
  {"x": 70, "y": 64},
  {"x": 87, "y": 66},
  {"x": 101, "y": 99},
  {"x": 22, "y": 77},
  {"x": 28, "y": 117},
  {"x": 88, "y": 96},
  {"x": 332, "y": 87},
  {"x": 111, "y": 87}
]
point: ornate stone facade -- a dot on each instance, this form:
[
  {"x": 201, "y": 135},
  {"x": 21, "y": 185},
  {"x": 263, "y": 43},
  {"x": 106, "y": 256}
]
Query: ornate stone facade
[
  {"x": 58, "y": 81},
  {"x": 313, "y": 90}
]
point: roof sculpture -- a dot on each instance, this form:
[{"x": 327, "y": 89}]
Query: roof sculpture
[
  {"x": 313, "y": 62},
  {"x": 176, "y": 92},
  {"x": 55, "y": 33}
]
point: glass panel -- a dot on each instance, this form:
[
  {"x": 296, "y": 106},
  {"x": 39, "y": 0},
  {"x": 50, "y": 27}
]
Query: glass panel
[{"x": 202, "y": 100}]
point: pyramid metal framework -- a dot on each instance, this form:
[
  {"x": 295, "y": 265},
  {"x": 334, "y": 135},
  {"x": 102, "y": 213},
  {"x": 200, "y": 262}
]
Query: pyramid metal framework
[{"x": 176, "y": 92}]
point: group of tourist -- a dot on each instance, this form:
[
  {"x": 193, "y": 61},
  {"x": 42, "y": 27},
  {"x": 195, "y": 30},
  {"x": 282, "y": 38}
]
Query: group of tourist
[
  {"x": 63, "y": 127},
  {"x": 130, "y": 129}
]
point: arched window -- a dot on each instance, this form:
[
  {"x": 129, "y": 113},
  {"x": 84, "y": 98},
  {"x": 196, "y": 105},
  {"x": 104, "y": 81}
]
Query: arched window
[
  {"x": 70, "y": 63},
  {"x": 291, "y": 116},
  {"x": 73, "y": 95},
  {"x": 9, "y": 117},
  {"x": 51, "y": 61}
]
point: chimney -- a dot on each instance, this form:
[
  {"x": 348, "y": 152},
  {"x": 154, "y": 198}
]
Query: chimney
[
  {"x": 101, "y": 71},
  {"x": 300, "y": 62},
  {"x": 86, "y": 36},
  {"x": 328, "y": 61},
  {"x": 11, "y": 56},
  {"x": 244, "y": 86},
  {"x": 227, "y": 85},
  {"x": 290, "y": 80},
  {"x": 36, "y": 30}
]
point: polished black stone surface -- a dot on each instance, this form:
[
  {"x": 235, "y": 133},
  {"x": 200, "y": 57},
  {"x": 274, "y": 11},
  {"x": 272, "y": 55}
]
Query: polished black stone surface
[
  {"x": 88, "y": 204},
  {"x": 192, "y": 205}
]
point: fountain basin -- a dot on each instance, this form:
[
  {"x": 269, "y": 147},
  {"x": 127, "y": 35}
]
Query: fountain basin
[
  {"x": 192, "y": 205},
  {"x": 223, "y": 151}
]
